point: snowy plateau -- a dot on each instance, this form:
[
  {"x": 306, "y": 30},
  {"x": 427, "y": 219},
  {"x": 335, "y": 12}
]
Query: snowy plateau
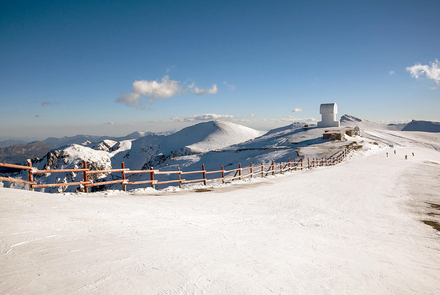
[{"x": 369, "y": 225}]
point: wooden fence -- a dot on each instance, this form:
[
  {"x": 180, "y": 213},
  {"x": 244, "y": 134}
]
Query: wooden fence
[{"x": 239, "y": 173}]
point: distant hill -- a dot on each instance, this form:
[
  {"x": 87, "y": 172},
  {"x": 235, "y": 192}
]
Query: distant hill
[
  {"x": 20, "y": 152},
  {"x": 9, "y": 142},
  {"x": 56, "y": 142},
  {"x": 425, "y": 126}
]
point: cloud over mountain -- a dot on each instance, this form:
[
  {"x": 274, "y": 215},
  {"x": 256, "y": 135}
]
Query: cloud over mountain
[
  {"x": 152, "y": 89},
  {"x": 204, "y": 117}
]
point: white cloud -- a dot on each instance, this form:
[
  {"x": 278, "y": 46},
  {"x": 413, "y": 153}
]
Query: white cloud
[
  {"x": 431, "y": 71},
  {"x": 294, "y": 119},
  {"x": 204, "y": 117},
  {"x": 110, "y": 123},
  {"x": 201, "y": 91},
  {"x": 391, "y": 73},
  {"x": 251, "y": 115},
  {"x": 297, "y": 110},
  {"x": 230, "y": 86},
  {"x": 153, "y": 89},
  {"x": 192, "y": 85}
]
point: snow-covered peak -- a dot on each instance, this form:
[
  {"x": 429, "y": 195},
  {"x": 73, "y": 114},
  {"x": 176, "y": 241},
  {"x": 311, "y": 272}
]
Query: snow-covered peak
[
  {"x": 425, "y": 126},
  {"x": 349, "y": 119},
  {"x": 207, "y": 136},
  {"x": 221, "y": 134},
  {"x": 352, "y": 121}
]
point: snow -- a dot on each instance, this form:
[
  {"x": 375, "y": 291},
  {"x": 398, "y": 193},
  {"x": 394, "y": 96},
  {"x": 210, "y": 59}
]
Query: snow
[
  {"x": 425, "y": 126},
  {"x": 355, "y": 228}
]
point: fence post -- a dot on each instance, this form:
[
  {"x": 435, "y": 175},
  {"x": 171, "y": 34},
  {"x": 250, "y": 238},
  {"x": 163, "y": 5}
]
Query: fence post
[
  {"x": 294, "y": 164},
  {"x": 152, "y": 176},
  {"x": 262, "y": 170},
  {"x": 30, "y": 176},
  {"x": 223, "y": 174},
  {"x": 85, "y": 177},
  {"x": 179, "y": 177},
  {"x": 308, "y": 163},
  {"x": 302, "y": 160},
  {"x": 239, "y": 171},
  {"x": 288, "y": 161},
  {"x": 273, "y": 167},
  {"x": 252, "y": 170},
  {"x": 204, "y": 174},
  {"x": 124, "y": 186},
  {"x": 281, "y": 167}
]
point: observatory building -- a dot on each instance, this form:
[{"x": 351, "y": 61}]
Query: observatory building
[{"x": 328, "y": 112}]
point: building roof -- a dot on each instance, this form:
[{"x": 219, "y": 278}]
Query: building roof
[{"x": 328, "y": 108}]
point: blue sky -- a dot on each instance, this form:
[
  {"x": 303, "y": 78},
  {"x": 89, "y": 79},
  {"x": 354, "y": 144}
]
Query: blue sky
[{"x": 69, "y": 67}]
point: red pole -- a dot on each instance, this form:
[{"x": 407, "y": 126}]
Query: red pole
[
  {"x": 86, "y": 188},
  {"x": 252, "y": 171},
  {"x": 30, "y": 176},
  {"x": 204, "y": 174},
  {"x": 239, "y": 171},
  {"x": 152, "y": 176},
  {"x": 223, "y": 174},
  {"x": 294, "y": 164},
  {"x": 273, "y": 167},
  {"x": 179, "y": 177},
  {"x": 124, "y": 186}
]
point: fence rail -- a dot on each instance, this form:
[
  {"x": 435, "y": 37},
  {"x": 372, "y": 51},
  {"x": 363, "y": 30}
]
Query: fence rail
[{"x": 272, "y": 168}]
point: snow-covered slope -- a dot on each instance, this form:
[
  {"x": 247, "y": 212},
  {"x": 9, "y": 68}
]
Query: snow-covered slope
[
  {"x": 152, "y": 150},
  {"x": 217, "y": 144},
  {"x": 218, "y": 135},
  {"x": 55, "y": 142},
  {"x": 362, "y": 227},
  {"x": 425, "y": 126},
  {"x": 293, "y": 141},
  {"x": 352, "y": 121},
  {"x": 144, "y": 152}
]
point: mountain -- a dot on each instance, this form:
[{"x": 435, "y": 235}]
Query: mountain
[
  {"x": 425, "y": 126},
  {"x": 55, "y": 142},
  {"x": 213, "y": 144},
  {"x": 155, "y": 149},
  {"x": 9, "y": 142},
  {"x": 149, "y": 150},
  {"x": 20, "y": 152}
]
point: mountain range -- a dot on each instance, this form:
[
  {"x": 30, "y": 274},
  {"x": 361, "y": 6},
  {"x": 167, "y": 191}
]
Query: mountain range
[{"x": 213, "y": 144}]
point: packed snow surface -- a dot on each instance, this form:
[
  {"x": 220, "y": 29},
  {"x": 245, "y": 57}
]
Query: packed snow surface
[{"x": 369, "y": 225}]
